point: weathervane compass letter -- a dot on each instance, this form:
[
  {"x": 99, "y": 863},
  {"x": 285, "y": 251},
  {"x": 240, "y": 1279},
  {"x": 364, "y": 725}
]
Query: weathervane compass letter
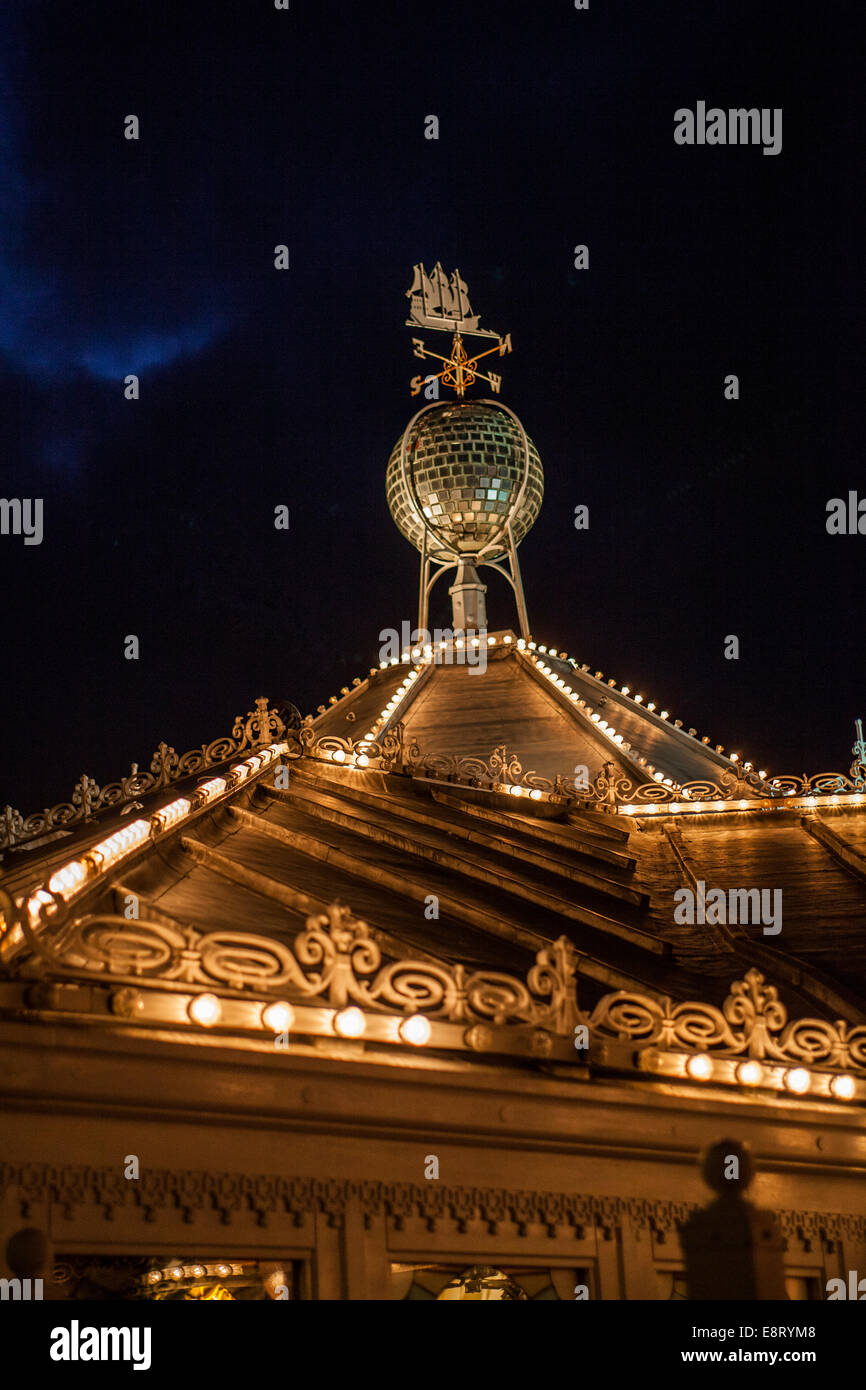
[{"x": 441, "y": 302}]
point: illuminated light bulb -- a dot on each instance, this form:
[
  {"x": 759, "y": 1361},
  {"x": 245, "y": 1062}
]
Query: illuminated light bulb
[
  {"x": 532, "y": 646},
  {"x": 625, "y": 690},
  {"x": 393, "y": 661},
  {"x": 215, "y": 787},
  {"x": 552, "y": 652},
  {"x": 459, "y": 644},
  {"x": 154, "y": 1277},
  {"x": 516, "y": 791},
  {"x": 651, "y": 706},
  {"x": 338, "y": 756},
  {"x": 350, "y": 1023},
  {"x": 668, "y": 782},
  {"x": 404, "y": 656},
  {"x": 491, "y": 641},
  {"x": 664, "y": 714},
  {"x": 543, "y": 649},
  {"x": 176, "y": 1273},
  {"x": 750, "y": 1073},
  {"x": 747, "y": 766},
  {"x": 734, "y": 757},
  {"x": 198, "y": 1271},
  {"x": 535, "y": 794},
  {"x": 700, "y": 1067},
  {"x": 441, "y": 646},
  {"x": 69, "y": 879},
  {"x": 762, "y": 775},
  {"x": 204, "y": 1009},
  {"x": 705, "y": 739},
  {"x": 617, "y": 738},
  {"x": 508, "y": 637},
  {"x": 363, "y": 760},
  {"x": 415, "y": 1030},
  {"x": 170, "y": 815},
  {"x": 659, "y": 776},
  {"x": 602, "y": 724},
  {"x": 720, "y": 748},
  {"x": 416, "y": 652},
  {"x": 595, "y": 718},
  {"x": 279, "y": 1016},
  {"x": 521, "y": 645},
  {"x": 122, "y": 842},
  {"x": 798, "y": 1080},
  {"x": 678, "y": 723},
  {"x": 842, "y": 1087},
  {"x": 223, "y": 1270}
]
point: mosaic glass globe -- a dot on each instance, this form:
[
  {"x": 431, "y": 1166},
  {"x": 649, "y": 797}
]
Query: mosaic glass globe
[{"x": 465, "y": 464}]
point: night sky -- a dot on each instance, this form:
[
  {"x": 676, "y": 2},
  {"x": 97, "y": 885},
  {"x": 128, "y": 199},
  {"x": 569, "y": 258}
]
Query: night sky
[{"x": 260, "y": 387}]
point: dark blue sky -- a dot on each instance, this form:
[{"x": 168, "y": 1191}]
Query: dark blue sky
[{"x": 260, "y": 127}]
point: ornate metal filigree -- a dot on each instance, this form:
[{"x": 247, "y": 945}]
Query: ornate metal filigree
[
  {"x": 337, "y": 960},
  {"x": 752, "y": 1022},
  {"x": 610, "y": 789},
  {"x": 334, "y": 960},
  {"x": 257, "y": 729}
]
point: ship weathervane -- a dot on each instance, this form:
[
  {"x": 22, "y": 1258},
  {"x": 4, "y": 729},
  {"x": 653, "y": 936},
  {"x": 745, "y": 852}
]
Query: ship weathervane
[{"x": 441, "y": 302}]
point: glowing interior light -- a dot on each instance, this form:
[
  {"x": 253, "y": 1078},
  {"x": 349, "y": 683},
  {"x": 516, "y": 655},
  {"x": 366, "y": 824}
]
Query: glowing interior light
[
  {"x": 700, "y": 1067},
  {"x": 664, "y": 714},
  {"x": 415, "y": 1030},
  {"x": 842, "y": 1087},
  {"x": 734, "y": 757},
  {"x": 750, "y": 1073},
  {"x": 532, "y": 646},
  {"x": 122, "y": 842},
  {"x": 552, "y": 651},
  {"x": 208, "y": 790},
  {"x": 338, "y": 756},
  {"x": 543, "y": 649},
  {"x": 38, "y": 899},
  {"x": 170, "y": 815},
  {"x": 279, "y": 1017},
  {"x": 595, "y": 718},
  {"x": 638, "y": 699},
  {"x": 363, "y": 760},
  {"x": 521, "y": 645},
  {"x": 68, "y": 880},
  {"x": 176, "y": 1272},
  {"x": 205, "y": 1009},
  {"x": 350, "y": 1023},
  {"x": 798, "y": 1080},
  {"x": 625, "y": 690},
  {"x": 516, "y": 791},
  {"x": 762, "y": 775}
]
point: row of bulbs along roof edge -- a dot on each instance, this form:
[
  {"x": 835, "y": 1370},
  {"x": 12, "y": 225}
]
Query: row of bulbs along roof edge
[
  {"x": 279, "y": 1017},
  {"x": 71, "y": 878},
  {"x": 427, "y": 655}
]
